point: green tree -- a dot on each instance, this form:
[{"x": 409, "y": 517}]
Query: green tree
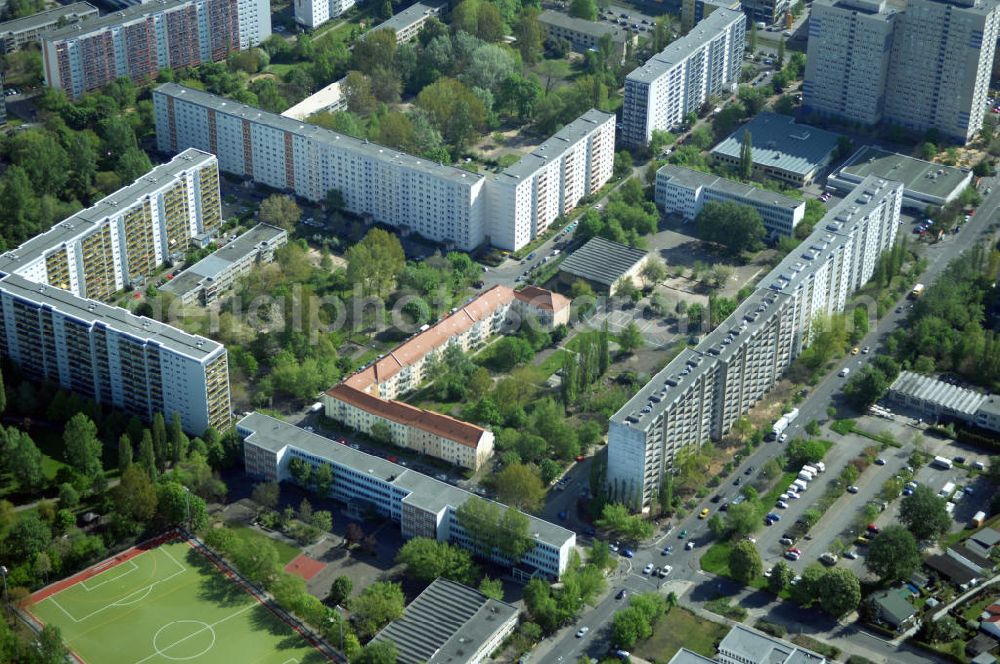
[
  {"x": 135, "y": 495},
  {"x": 530, "y": 35},
  {"x": 427, "y": 559},
  {"x": 737, "y": 227},
  {"x": 83, "y": 448},
  {"x": 742, "y": 519},
  {"x": 160, "y": 440},
  {"x": 839, "y": 591},
  {"x": 752, "y": 40},
  {"x": 29, "y": 536},
  {"x": 520, "y": 486},
  {"x": 454, "y": 110},
  {"x": 322, "y": 478},
  {"x": 147, "y": 457},
  {"x": 340, "y": 590},
  {"x": 266, "y": 494},
  {"x": 491, "y": 588},
  {"x": 176, "y": 505},
  {"x": 133, "y": 164},
  {"x": 24, "y": 460},
  {"x": 377, "y": 652},
  {"x": 629, "y": 626},
  {"x": 781, "y": 577},
  {"x": 124, "y": 452},
  {"x": 893, "y": 555},
  {"x": 280, "y": 210},
  {"x": 630, "y": 338},
  {"x": 376, "y": 606},
  {"x": 585, "y": 9},
  {"x": 653, "y": 272},
  {"x": 178, "y": 440},
  {"x": 3, "y": 394},
  {"x": 376, "y": 262},
  {"x": 616, "y": 518},
  {"x": 258, "y": 562},
  {"x": 924, "y": 513},
  {"x": 744, "y": 561}
]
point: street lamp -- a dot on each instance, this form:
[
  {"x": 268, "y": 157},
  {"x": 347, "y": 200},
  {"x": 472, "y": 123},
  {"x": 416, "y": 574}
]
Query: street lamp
[
  {"x": 6, "y": 599},
  {"x": 187, "y": 506}
]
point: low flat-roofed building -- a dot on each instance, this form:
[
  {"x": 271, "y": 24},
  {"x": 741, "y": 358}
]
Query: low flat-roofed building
[
  {"x": 331, "y": 98},
  {"x": 603, "y": 264},
  {"x": 204, "y": 281},
  {"x": 782, "y": 149},
  {"x": 17, "y": 33},
  {"x": 408, "y": 22},
  {"x": 685, "y": 191},
  {"x": 938, "y": 399},
  {"x": 584, "y": 35},
  {"x": 924, "y": 183},
  {"x": 423, "y": 506},
  {"x": 744, "y": 645},
  {"x": 449, "y": 623}
]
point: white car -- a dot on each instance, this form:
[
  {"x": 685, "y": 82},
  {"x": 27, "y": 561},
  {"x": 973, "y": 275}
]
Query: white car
[
  {"x": 851, "y": 555},
  {"x": 844, "y": 372},
  {"x": 782, "y": 504},
  {"x": 689, "y": 546},
  {"x": 648, "y": 568},
  {"x": 665, "y": 570},
  {"x": 581, "y": 632}
]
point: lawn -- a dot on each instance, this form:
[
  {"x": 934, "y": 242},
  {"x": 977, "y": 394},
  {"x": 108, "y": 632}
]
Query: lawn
[
  {"x": 286, "y": 552},
  {"x": 553, "y": 362},
  {"x": 678, "y": 629},
  {"x": 279, "y": 69},
  {"x": 167, "y": 604}
]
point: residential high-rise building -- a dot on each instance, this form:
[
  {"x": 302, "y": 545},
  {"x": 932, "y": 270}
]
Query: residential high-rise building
[
  {"x": 682, "y": 77},
  {"x": 140, "y": 41},
  {"x": 923, "y": 67},
  {"x": 314, "y": 13},
  {"x": 702, "y": 392},
  {"x": 127, "y": 236},
  {"x": 549, "y": 181},
  {"x": 53, "y": 326},
  {"x": 939, "y": 73},
  {"x": 848, "y": 61},
  {"x": 17, "y": 33},
  {"x": 442, "y": 203}
]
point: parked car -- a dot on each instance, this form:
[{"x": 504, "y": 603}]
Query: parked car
[
  {"x": 648, "y": 568},
  {"x": 689, "y": 545},
  {"x": 622, "y": 594},
  {"x": 628, "y": 553},
  {"x": 703, "y": 514},
  {"x": 581, "y": 632},
  {"x": 852, "y": 489}
]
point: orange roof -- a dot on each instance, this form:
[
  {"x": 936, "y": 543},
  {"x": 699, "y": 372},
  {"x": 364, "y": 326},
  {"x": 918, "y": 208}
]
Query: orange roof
[
  {"x": 993, "y": 609},
  {"x": 397, "y": 411},
  {"x": 542, "y": 299},
  {"x": 412, "y": 350}
]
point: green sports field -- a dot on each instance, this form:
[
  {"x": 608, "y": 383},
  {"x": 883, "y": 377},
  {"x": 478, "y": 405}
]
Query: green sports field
[{"x": 169, "y": 604}]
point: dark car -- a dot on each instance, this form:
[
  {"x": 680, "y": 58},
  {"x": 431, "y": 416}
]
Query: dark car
[
  {"x": 716, "y": 498},
  {"x": 737, "y": 481},
  {"x": 959, "y": 459},
  {"x": 622, "y": 594},
  {"x": 748, "y": 470},
  {"x": 724, "y": 507}
]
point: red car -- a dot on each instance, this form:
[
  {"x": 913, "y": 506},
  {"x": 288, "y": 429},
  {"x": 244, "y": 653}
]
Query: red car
[
  {"x": 392, "y": 458},
  {"x": 580, "y": 457}
]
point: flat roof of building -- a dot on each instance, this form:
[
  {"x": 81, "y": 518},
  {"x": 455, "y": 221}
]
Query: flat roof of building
[
  {"x": 596, "y": 29},
  {"x": 426, "y": 492},
  {"x": 86, "y": 220},
  {"x": 754, "y": 646},
  {"x": 706, "y": 30},
  {"x": 447, "y": 622},
  {"x": 781, "y": 143},
  {"x": 602, "y": 261},
  {"x": 90, "y": 312},
  {"x": 690, "y": 178},
  {"x": 557, "y": 144},
  {"x": 917, "y": 175},
  {"x": 313, "y": 132},
  {"x": 409, "y": 16},
  {"x": 318, "y": 101},
  {"x": 685, "y": 656},
  {"x": 211, "y": 267},
  {"x": 945, "y": 395},
  {"x": 44, "y": 18}
]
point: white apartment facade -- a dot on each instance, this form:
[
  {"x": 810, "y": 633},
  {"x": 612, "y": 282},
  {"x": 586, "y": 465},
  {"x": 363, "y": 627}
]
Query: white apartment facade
[
  {"x": 126, "y": 236},
  {"x": 926, "y": 66},
  {"x": 441, "y": 203},
  {"x": 423, "y": 506},
  {"x": 314, "y": 13},
  {"x": 679, "y": 79},
  {"x": 550, "y": 181},
  {"x": 684, "y": 191},
  {"x": 848, "y": 60},
  {"x": 138, "y": 42},
  {"x": 701, "y": 393}
]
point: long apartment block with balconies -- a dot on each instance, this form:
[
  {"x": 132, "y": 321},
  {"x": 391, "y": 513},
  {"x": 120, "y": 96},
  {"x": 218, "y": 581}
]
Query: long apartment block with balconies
[
  {"x": 702, "y": 392},
  {"x": 680, "y": 78},
  {"x": 55, "y": 328},
  {"x": 19, "y": 32},
  {"x": 139, "y": 41},
  {"x": 126, "y": 236}
]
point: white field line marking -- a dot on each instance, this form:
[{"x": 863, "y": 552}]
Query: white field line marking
[
  {"x": 162, "y": 651},
  {"x": 119, "y": 601},
  {"x": 133, "y": 568}
]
